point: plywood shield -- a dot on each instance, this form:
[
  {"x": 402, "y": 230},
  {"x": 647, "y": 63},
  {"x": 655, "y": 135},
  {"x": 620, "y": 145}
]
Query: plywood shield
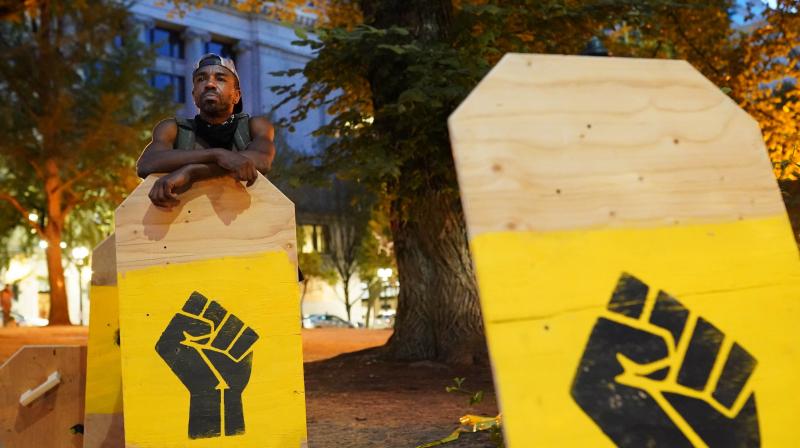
[
  {"x": 54, "y": 419},
  {"x": 637, "y": 271},
  {"x": 103, "y": 425},
  {"x": 210, "y": 318}
]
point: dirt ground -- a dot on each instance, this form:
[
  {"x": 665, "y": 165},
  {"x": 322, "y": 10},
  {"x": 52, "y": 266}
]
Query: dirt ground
[{"x": 354, "y": 399}]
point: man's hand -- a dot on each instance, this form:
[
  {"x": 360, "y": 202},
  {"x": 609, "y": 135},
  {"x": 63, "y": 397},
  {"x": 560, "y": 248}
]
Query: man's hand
[
  {"x": 240, "y": 167},
  {"x": 166, "y": 189}
]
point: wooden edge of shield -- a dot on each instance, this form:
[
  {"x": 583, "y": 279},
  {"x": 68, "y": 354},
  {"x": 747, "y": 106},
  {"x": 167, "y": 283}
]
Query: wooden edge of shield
[
  {"x": 103, "y": 429},
  {"x": 208, "y": 223},
  {"x": 104, "y": 263}
]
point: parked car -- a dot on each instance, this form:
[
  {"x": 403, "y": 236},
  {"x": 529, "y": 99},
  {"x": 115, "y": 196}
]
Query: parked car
[
  {"x": 325, "y": 321},
  {"x": 384, "y": 319}
]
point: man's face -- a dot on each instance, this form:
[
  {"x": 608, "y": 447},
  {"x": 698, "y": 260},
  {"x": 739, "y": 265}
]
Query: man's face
[{"x": 214, "y": 90}]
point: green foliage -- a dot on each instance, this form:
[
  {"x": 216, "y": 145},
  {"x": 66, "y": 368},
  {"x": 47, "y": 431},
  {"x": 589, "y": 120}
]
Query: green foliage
[
  {"x": 423, "y": 84},
  {"x": 376, "y": 250},
  {"x": 458, "y": 387},
  {"x": 75, "y": 110},
  {"x": 390, "y": 89},
  {"x": 391, "y": 82},
  {"x": 312, "y": 264}
]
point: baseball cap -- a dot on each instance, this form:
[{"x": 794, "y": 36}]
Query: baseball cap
[{"x": 215, "y": 59}]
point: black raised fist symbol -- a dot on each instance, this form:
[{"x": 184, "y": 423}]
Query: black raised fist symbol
[
  {"x": 653, "y": 375},
  {"x": 209, "y": 349}
]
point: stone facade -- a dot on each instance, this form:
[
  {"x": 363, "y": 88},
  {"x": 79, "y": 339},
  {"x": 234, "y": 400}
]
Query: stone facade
[{"x": 258, "y": 46}]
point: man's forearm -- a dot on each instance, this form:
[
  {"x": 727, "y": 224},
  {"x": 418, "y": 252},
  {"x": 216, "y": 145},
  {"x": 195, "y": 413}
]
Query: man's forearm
[
  {"x": 202, "y": 171},
  {"x": 261, "y": 152},
  {"x": 169, "y": 161}
]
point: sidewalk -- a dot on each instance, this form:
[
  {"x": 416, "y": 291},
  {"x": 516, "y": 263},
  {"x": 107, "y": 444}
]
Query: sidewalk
[{"x": 354, "y": 400}]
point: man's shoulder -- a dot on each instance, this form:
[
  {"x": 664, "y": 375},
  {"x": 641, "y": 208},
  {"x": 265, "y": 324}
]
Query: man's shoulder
[
  {"x": 261, "y": 125},
  {"x": 165, "y": 130},
  {"x": 168, "y": 122}
]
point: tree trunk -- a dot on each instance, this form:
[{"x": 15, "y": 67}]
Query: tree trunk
[
  {"x": 374, "y": 292},
  {"x": 438, "y": 314},
  {"x": 59, "y": 314},
  {"x": 303, "y": 295},
  {"x": 347, "y": 305}
]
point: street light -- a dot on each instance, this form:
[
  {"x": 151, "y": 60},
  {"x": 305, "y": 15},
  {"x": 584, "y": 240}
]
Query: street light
[{"x": 79, "y": 254}]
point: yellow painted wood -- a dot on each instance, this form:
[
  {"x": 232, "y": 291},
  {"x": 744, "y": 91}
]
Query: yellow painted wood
[
  {"x": 543, "y": 292},
  {"x": 103, "y": 423},
  {"x": 259, "y": 289},
  {"x": 574, "y": 171},
  {"x": 234, "y": 246}
]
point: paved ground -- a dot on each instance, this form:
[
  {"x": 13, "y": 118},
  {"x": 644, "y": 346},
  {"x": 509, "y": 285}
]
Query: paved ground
[
  {"x": 13, "y": 338},
  {"x": 354, "y": 400},
  {"x": 318, "y": 344},
  {"x": 324, "y": 343}
]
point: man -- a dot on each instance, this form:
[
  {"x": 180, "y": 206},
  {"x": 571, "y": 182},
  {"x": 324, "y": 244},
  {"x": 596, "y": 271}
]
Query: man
[
  {"x": 220, "y": 141},
  {"x": 6, "y": 297}
]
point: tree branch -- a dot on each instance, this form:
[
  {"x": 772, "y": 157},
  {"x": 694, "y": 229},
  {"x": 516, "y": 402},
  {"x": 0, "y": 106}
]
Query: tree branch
[
  {"x": 71, "y": 182},
  {"x": 37, "y": 169},
  {"x": 702, "y": 54},
  {"x": 23, "y": 211}
]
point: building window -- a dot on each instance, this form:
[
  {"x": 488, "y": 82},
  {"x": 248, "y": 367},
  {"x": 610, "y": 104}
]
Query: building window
[
  {"x": 314, "y": 238},
  {"x": 174, "y": 83},
  {"x": 221, "y": 49},
  {"x": 167, "y": 42}
]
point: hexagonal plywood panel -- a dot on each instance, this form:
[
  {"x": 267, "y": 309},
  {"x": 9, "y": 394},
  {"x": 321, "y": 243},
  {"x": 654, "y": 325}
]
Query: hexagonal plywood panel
[
  {"x": 209, "y": 318},
  {"x": 637, "y": 271},
  {"x": 103, "y": 419}
]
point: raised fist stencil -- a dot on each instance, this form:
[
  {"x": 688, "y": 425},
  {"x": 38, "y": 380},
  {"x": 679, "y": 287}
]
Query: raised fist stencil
[
  {"x": 210, "y": 351},
  {"x": 655, "y": 375}
]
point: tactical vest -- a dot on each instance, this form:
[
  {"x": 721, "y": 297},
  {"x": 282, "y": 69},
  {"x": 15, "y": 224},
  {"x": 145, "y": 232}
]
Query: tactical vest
[{"x": 186, "y": 133}]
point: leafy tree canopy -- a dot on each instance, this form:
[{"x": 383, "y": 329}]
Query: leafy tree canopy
[{"x": 75, "y": 110}]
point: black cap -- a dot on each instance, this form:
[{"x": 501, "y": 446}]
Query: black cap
[{"x": 215, "y": 59}]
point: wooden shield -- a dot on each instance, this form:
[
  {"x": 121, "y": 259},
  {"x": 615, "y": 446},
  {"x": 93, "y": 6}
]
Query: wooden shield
[
  {"x": 103, "y": 423},
  {"x": 637, "y": 270},
  {"x": 210, "y": 318},
  {"x": 54, "y": 418}
]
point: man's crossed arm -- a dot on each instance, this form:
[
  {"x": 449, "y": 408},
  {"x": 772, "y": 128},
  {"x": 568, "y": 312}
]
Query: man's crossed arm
[{"x": 188, "y": 166}]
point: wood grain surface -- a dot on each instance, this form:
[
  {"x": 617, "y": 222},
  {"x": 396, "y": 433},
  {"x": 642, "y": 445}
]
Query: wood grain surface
[
  {"x": 48, "y": 422},
  {"x": 208, "y": 223},
  {"x": 210, "y": 318},
  {"x": 564, "y": 142},
  {"x": 638, "y": 275},
  {"x": 104, "y": 262}
]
